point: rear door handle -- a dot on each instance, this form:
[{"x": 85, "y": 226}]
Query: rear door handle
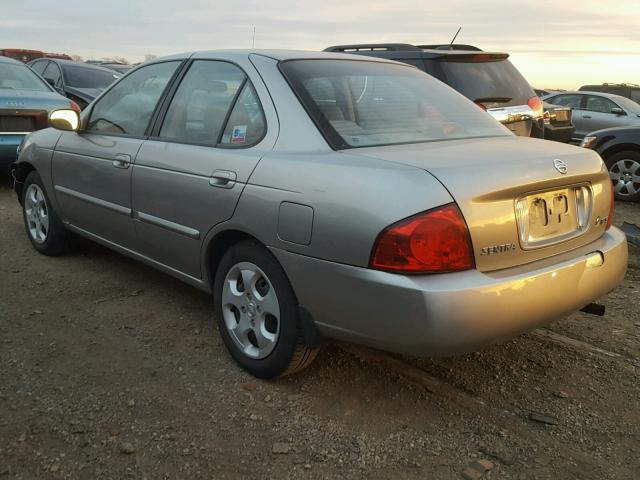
[
  {"x": 223, "y": 179},
  {"x": 122, "y": 160},
  {"x": 586, "y": 116}
]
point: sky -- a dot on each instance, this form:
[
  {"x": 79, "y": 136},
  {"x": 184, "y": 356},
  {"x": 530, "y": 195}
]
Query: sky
[{"x": 555, "y": 44}]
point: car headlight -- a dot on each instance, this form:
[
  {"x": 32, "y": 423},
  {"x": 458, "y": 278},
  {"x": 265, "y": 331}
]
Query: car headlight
[{"x": 589, "y": 142}]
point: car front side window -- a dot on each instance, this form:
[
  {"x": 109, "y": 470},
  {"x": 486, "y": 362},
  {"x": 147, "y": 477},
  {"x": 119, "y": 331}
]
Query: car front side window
[
  {"x": 52, "y": 74},
  {"x": 127, "y": 108},
  {"x": 599, "y": 104}
]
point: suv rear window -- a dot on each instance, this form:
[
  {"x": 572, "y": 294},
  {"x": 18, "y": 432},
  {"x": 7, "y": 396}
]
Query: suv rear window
[
  {"x": 494, "y": 79},
  {"x": 364, "y": 103}
]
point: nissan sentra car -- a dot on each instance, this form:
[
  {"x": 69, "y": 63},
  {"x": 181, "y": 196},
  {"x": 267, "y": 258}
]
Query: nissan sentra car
[{"x": 321, "y": 195}]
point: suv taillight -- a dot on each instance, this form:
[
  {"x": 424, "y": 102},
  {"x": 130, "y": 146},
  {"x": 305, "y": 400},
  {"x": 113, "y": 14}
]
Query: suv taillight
[
  {"x": 535, "y": 104},
  {"x": 434, "y": 241}
]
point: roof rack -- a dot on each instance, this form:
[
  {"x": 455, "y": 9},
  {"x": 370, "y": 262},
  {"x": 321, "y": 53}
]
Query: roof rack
[
  {"x": 389, "y": 47},
  {"x": 453, "y": 46},
  {"x": 621, "y": 84}
]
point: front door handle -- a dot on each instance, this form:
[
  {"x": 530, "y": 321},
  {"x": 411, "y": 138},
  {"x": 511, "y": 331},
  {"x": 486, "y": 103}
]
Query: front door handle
[
  {"x": 122, "y": 160},
  {"x": 586, "y": 116},
  {"x": 223, "y": 179}
]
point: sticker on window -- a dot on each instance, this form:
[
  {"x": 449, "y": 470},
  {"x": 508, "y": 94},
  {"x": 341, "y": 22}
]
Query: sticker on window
[{"x": 239, "y": 134}]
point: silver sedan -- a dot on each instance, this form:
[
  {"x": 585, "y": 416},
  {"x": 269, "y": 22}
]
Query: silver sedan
[{"x": 320, "y": 195}]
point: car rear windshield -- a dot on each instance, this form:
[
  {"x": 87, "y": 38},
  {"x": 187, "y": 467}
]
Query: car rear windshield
[
  {"x": 82, "y": 77},
  {"x": 20, "y": 77},
  {"x": 487, "y": 80},
  {"x": 365, "y": 103}
]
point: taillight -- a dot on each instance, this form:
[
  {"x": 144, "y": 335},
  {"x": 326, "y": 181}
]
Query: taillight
[
  {"x": 430, "y": 242},
  {"x": 74, "y": 106},
  {"x": 535, "y": 104},
  {"x": 612, "y": 210}
]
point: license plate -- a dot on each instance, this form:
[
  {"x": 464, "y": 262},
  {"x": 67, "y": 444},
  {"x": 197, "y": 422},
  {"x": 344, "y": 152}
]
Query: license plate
[
  {"x": 562, "y": 115},
  {"x": 546, "y": 218}
]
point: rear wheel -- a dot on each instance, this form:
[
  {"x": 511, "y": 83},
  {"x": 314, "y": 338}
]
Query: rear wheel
[
  {"x": 44, "y": 228},
  {"x": 257, "y": 313},
  {"x": 624, "y": 170}
]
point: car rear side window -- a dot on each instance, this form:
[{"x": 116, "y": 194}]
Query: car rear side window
[
  {"x": 52, "y": 73},
  {"x": 214, "y": 104},
  {"x": 479, "y": 80},
  {"x": 572, "y": 101},
  {"x": 366, "y": 103},
  {"x": 127, "y": 108}
]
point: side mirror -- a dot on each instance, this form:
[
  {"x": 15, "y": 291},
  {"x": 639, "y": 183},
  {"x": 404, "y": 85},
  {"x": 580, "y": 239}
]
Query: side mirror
[
  {"x": 51, "y": 81},
  {"x": 618, "y": 111},
  {"x": 66, "y": 119}
]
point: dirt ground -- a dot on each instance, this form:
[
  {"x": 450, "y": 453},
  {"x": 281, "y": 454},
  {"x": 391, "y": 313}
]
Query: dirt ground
[{"x": 109, "y": 369}]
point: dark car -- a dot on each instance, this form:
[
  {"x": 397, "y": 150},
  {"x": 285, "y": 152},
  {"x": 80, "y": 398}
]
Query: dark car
[
  {"x": 487, "y": 78},
  {"x": 80, "y": 82},
  {"x": 121, "y": 68},
  {"x": 557, "y": 123},
  {"x": 620, "y": 150},
  {"x": 629, "y": 90},
  {"x": 25, "y": 102}
]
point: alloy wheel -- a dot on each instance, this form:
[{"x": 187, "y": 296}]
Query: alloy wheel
[
  {"x": 625, "y": 175},
  {"x": 36, "y": 213}
]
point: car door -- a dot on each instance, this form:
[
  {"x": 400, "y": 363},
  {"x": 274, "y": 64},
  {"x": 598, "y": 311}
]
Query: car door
[
  {"x": 575, "y": 101},
  {"x": 598, "y": 113},
  {"x": 92, "y": 167},
  {"x": 189, "y": 176}
]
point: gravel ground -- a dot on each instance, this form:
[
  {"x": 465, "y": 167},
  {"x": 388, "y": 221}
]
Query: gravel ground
[{"x": 109, "y": 369}]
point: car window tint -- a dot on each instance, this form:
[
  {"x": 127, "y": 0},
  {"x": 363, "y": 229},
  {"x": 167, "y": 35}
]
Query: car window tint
[
  {"x": 127, "y": 108},
  {"x": 20, "y": 77},
  {"x": 246, "y": 124},
  {"x": 52, "y": 73},
  {"x": 572, "y": 101},
  {"x": 201, "y": 103},
  {"x": 79, "y": 76},
  {"x": 599, "y": 104}
]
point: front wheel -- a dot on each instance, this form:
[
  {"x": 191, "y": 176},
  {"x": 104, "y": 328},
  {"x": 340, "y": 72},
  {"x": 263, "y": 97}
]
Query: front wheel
[
  {"x": 257, "y": 313},
  {"x": 44, "y": 228},
  {"x": 624, "y": 170}
]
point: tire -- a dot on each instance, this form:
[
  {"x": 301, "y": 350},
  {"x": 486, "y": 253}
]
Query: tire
[
  {"x": 624, "y": 170},
  {"x": 260, "y": 324},
  {"x": 44, "y": 228}
]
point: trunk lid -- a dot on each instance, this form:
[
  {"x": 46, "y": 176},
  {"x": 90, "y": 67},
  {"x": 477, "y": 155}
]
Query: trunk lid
[{"x": 500, "y": 185}]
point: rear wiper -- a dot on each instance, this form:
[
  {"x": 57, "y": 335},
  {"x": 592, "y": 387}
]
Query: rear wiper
[{"x": 493, "y": 100}]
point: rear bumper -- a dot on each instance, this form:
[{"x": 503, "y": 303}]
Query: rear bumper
[
  {"x": 448, "y": 314},
  {"x": 8, "y": 149}
]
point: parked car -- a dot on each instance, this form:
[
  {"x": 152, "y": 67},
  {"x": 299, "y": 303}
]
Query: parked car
[
  {"x": 557, "y": 123},
  {"x": 25, "y": 101},
  {"x": 78, "y": 81},
  {"x": 628, "y": 90},
  {"x": 325, "y": 195},
  {"x": 121, "y": 68},
  {"x": 620, "y": 150},
  {"x": 595, "y": 110},
  {"x": 487, "y": 78}
]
